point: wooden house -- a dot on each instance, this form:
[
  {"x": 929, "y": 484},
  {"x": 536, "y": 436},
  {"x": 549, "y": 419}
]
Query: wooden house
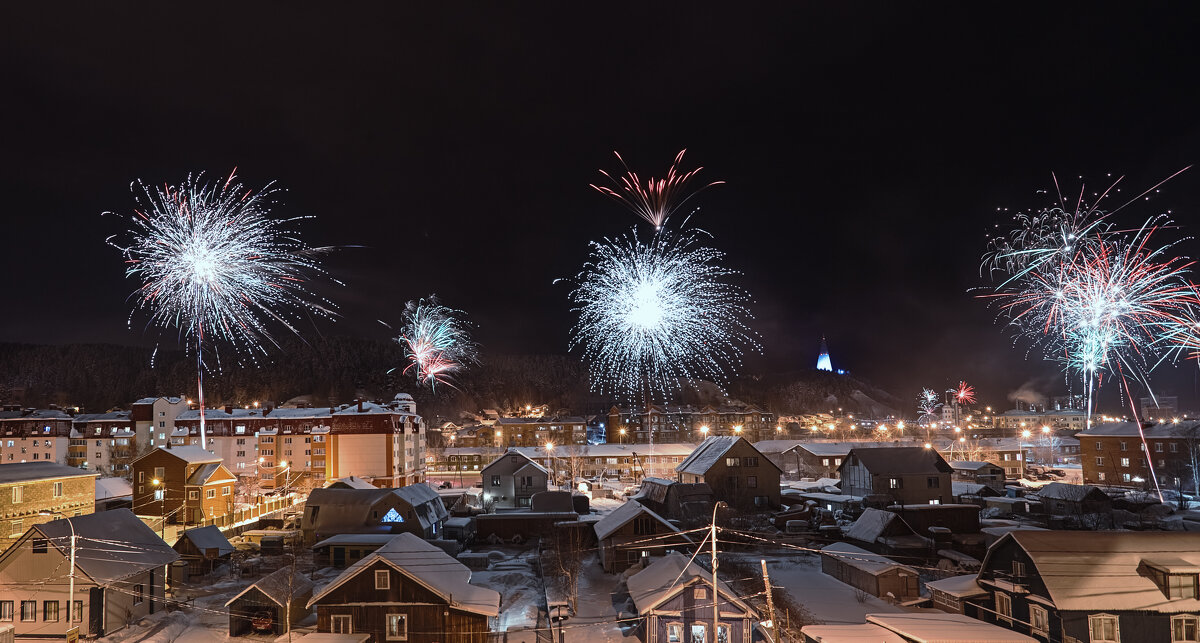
[
  {"x": 407, "y": 590},
  {"x": 896, "y": 475},
  {"x": 343, "y": 550},
  {"x": 870, "y": 572},
  {"x": 1064, "y": 499},
  {"x": 415, "y": 509},
  {"x": 204, "y": 548},
  {"x": 674, "y": 601},
  {"x": 735, "y": 471},
  {"x": 954, "y": 594},
  {"x": 119, "y": 575},
  {"x": 1099, "y": 587},
  {"x": 510, "y": 481},
  {"x": 691, "y": 504},
  {"x": 632, "y": 531},
  {"x": 272, "y": 605},
  {"x": 986, "y": 473}
]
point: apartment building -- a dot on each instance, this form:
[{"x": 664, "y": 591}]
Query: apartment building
[
  {"x": 672, "y": 423},
  {"x": 103, "y": 442},
  {"x": 32, "y": 493},
  {"x": 154, "y": 418},
  {"x": 1113, "y": 454},
  {"x": 537, "y": 431},
  {"x": 34, "y": 435}
]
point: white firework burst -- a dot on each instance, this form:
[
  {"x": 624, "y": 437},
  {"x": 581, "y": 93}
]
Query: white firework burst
[{"x": 655, "y": 314}]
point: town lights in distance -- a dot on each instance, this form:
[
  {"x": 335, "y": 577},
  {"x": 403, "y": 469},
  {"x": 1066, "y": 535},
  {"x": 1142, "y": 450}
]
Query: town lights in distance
[
  {"x": 215, "y": 266},
  {"x": 654, "y": 314},
  {"x": 436, "y": 343},
  {"x": 656, "y": 199}
]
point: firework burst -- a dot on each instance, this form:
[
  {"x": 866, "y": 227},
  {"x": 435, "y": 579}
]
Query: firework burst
[
  {"x": 964, "y": 393},
  {"x": 657, "y": 313},
  {"x": 435, "y": 342},
  {"x": 928, "y": 407},
  {"x": 213, "y": 265},
  {"x": 657, "y": 199}
]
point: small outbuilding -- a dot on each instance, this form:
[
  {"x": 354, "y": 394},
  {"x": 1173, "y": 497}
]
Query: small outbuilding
[
  {"x": 273, "y": 605},
  {"x": 872, "y": 573},
  {"x": 632, "y": 531},
  {"x": 203, "y": 548},
  {"x": 1065, "y": 499}
]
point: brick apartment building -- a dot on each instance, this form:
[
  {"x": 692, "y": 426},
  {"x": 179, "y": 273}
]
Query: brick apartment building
[
  {"x": 30, "y": 489},
  {"x": 1113, "y": 454},
  {"x": 670, "y": 423},
  {"x": 539, "y": 431}
]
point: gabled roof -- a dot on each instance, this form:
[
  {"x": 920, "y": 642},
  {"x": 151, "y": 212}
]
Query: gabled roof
[
  {"x": 621, "y": 516},
  {"x": 963, "y": 586},
  {"x": 830, "y": 449},
  {"x": 874, "y": 523},
  {"x": 1130, "y": 430},
  {"x": 971, "y": 465},
  {"x": 189, "y": 454},
  {"x": 510, "y": 453},
  {"x": 109, "y": 488},
  {"x": 342, "y": 508},
  {"x": 430, "y": 567},
  {"x": 1099, "y": 570},
  {"x": 426, "y": 503},
  {"x": 109, "y": 545},
  {"x": 859, "y": 558},
  {"x": 668, "y": 576},
  {"x": 710, "y": 453},
  {"x": 278, "y": 585},
  {"x": 1070, "y": 492},
  {"x": 31, "y": 471},
  {"x": 898, "y": 460},
  {"x": 205, "y": 473},
  {"x": 350, "y": 482},
  {"x": 205, "y": 538},
  {"x": 943, "y": 627}
]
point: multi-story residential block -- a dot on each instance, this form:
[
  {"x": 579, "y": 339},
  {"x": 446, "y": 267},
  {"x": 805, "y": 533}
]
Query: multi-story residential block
[
  {"x": 34, "y": 435},
  {"x": 610, "y": 461},
  {"x": 897, "y": 475},
  {"x": 32, "y": 493},
  {"x": 103, "y": 442},
  {"x": 669, "y": 423},
  {"x": 1113, "y": 454},
  {"x": 736, "y": 472},
  {"x": 1098, "y": 587},
  {"x": 183, "y": 484},
  {"x": 154, "y": 418},
  {"x": 538, "y": 431}
]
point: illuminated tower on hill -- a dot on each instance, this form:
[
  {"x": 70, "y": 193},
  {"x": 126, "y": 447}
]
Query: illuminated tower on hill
[{"x": 823, "y": 363}]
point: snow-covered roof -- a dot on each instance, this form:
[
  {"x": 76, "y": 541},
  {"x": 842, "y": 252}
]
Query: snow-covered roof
[
  {"x": 108, "y": 488},
  {"x": 1130, "y": 430},
  {"x": 942, "y": 627},
  {"x": 957, "y": 586},
  {"x": 278, "y": 585},
  {"x": 350, "y": 482},
  {"x": 190, "y": 454},
  {"x": 606, "y": 450},
  {"x": 967, "y": 488},
  {"x": 515, "y": 451},
  {"x": 426, "y": 503},
  {"x": 775, "y": 446},
  {"x": 35, "y": 414},
  {"x": 871, "y": 525},
  {"x": 1097, "y": 571},
  {"x": 111, "y": 416},
  {"x": 859, "y": 558},
  {"x": 205, "y": 538},
  {"x": 669, "y": 575},
  {"x": 805, "y": 485},
  {"x": 355, "y": 539},
  {"x": 204, "y": 473},
  {"x": 31, "y": 471},
  {"x": 971, "y": 465},
  {"x": 707, "y": 454},
  {"x": 831, "y": 449},
  {"x": 861, "y": 633},
  {"x": 110, "y": 545},
  {"x": 1067, "y": 491},
  {"x": 900, "y": 460},
  {"x": 621, "y": 516},
  {"x": 428, "y": 566}
]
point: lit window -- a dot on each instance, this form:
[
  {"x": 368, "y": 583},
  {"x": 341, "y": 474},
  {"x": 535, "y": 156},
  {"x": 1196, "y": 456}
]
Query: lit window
[{"x": 397, "y": 627}]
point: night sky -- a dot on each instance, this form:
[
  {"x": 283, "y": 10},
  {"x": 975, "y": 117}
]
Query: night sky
[{"x": 866, "y": 149}]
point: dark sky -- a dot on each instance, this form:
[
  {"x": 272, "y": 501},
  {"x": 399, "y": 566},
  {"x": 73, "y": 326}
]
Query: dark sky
[{"x": 866, "y": 148}]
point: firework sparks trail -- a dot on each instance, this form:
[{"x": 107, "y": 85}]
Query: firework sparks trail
[
  {"x": 964, "y": 394},
  {"x": 435, "y": 342},
  {"x": 1106, "y": 302},
  {"x": 214, "y": 266},
  {"x": 654, "y": 314},
  {"x": 928, "y": 407},
  {"x": 658, "y": 199}
]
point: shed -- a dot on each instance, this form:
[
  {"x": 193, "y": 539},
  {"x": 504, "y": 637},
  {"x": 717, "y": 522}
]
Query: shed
[
  {"x": 272, "y": 605},
  {"x": 343, "y": 550},
  {"x": 886, "y": 528},
  {"x": 950, "y": 594},
  {"x": 203, "y": 548},
  {"x": 1073, "y": 499},
  {"x": 875, "y": 574},
  {"x": 632, "y": 531}
]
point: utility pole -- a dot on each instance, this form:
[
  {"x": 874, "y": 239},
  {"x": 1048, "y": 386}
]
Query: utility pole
[
  {"x": 770, "y": 602},
  {"x": 716, "y": 612}
]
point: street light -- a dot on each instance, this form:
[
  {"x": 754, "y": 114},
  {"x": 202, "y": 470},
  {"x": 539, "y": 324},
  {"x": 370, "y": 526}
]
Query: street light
[
  {"x": 550, "y": 462},
  {"x": 71, "y": 582},
  {"x": 622, "y": 432},
  {"x": 737, "y": 429}
]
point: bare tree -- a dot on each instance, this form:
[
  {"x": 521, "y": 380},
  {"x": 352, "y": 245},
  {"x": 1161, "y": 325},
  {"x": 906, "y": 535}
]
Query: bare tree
[
  {"x": 575, "y": 457},
  {"x": 1191, "y": 447}
]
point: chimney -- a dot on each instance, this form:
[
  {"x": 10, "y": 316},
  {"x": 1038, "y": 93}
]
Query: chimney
[
  {"x": 228, "y": 409},
  {"x": 360, "y": 409}
]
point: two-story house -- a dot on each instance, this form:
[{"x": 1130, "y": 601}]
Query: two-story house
[
  {"x": 735, "y": 471},
  {"x": 184, "y": 484},
  {"x": 897, "y": 475},
  {"x": 511, "y": 480},
  {"x": 1094, "y": 587},
  {"x": 674, "y": 600}
]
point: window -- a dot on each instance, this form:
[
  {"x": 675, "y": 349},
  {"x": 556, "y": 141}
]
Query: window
[
  {"x": 733, "y": 462},
  {"x": 58, "y": 488},
  {"x": 210, "y": 493},
  {"x": 382, "y": 579},
  {"x": 1018, "y": 569},
  {"x": 722, "y": 633},
  {"x": 16, "y": 528},
  {"x": 340, "y": 624},
  {"x": 824, "y": 462},
  {"x": 1004, "y": 607},
  {"x": 1100, "y": 475},
  {"x": 1158, "y": 447},
  {"x": 141, "y": 476},
  {"x": 674, "y": 630},
  {"x": 1124, "y": 462},
  {"x": 397, "y": 627},
  {"x": 160, "y": 473},
  {"x": 1174, "y": 447},
  {"x": 6, "y": 611},
  {"x": 139, "y": 592},
  {"x": 699, "y": 633},
  {"x": 1104, "y": 629},
  {"x": 78, "y": 616},
  {"x": 193, "y": 495},
  {"x": 1181, "y": 585},
  {"x": 40, "y": 545},
  {"x": 50, "y": 611},
  {"x": 700, "y": 593},
  {"x": 751, "y": 461},
  {"x": 1124, "y": 446},
  {"x": 18, "y": 494},
  {"x": 933, "y": 482},
  {"x": 1039, "y": 620},
  {"x": 837, "y": 462},
  {"x": 1126, "y": 477},
  {"x": 225, "y": 491},
  {"x": 28, "y": 611},
  {"x": 241, "y": 454},
  {"x": 1099, "y": 461},
  {"x": 1183, "y": 628},
  {"x": 752, "y": 482},
  {"x": 895, "y": 483}
]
